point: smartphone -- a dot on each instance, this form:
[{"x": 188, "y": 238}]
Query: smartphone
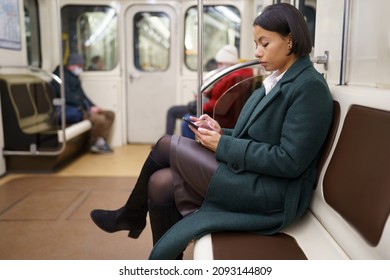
[{"x": 190, "y": 123}]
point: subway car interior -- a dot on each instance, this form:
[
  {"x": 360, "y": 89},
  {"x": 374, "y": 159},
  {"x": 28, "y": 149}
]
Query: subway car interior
[{"x": 143, "y": 57}]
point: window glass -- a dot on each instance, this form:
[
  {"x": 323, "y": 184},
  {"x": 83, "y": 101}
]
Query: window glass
[
  {"x": 91, "y": 31},
  {"x": 369, "y": 44},
  {"x": 308, "y": 9},
  {"x": 222, "y": 26},
  {"x": 152, "y": 41},
  {"x": 33, "y": 42}
]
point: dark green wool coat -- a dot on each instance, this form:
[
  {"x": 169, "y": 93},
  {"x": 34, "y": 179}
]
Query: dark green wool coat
[{"x": 267, "y": 162}]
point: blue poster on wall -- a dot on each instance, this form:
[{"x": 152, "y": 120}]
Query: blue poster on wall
[{"x": 10, "y": 25}]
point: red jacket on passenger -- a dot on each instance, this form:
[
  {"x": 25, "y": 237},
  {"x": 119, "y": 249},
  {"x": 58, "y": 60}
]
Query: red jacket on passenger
[{"x": 222, "y": 86}]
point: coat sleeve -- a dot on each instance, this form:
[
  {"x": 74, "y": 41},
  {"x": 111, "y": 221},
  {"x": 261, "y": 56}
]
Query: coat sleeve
[{"x": 227, "y": 131}]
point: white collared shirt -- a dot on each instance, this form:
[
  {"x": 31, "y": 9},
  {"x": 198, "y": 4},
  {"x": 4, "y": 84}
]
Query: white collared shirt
[{"x": 272, "y": 80}]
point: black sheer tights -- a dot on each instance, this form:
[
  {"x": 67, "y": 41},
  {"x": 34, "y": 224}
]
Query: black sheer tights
[
  {"x": 160, "y": 186},
  {"x": 161, "y": 203},
  {"x": 161, "y": 151}
]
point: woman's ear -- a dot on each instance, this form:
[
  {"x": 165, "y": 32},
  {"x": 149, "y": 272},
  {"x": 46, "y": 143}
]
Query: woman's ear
[{"x": 290, "y": 41}]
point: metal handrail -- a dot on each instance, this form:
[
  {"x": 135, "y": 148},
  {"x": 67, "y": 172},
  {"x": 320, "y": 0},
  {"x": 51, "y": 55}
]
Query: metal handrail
[
  {"x": 227, "y": 70},
  {"x": 220, "y": 74},
  {"x": 199, "y": 103},
  {"x": 33, "y": 69}
]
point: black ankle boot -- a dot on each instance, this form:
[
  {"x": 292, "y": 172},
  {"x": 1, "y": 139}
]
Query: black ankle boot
[
  {"x": 132, "y": 216},
  {"x": 113, "y": 221},
  {"x": 162, "y": 218}
]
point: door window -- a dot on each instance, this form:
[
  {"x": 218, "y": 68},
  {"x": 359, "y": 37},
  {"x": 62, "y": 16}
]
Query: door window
[
  {"x": 152, "y": 41},
  {"x": 91, "y": 31},
  {"x": 222, "y": 26},
  {"x": 33, "y": 43}
]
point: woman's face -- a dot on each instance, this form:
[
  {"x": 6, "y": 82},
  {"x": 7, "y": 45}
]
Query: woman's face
[{"x": 272, "y": 49}]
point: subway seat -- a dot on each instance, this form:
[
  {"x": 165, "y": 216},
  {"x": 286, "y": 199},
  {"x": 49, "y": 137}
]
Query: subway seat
[{"x": 30, "y": 121}]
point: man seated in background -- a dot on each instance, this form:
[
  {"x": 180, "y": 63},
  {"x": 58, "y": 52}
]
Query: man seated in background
[
  {"x": 225, "y": 57},
  {"x": 79, "y": 106},
  {"x": 178, "y": 111}
]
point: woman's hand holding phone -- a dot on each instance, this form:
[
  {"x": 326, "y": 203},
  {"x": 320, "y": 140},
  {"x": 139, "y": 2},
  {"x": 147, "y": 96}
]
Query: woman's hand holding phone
[
  {"x": 190, "y": 123},
  {"x": 205, "y": 121},
  {"x": 208, "y": 131}
]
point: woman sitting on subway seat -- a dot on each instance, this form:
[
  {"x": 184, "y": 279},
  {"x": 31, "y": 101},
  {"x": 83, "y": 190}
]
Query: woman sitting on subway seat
[{"x": 257, "y": 176}]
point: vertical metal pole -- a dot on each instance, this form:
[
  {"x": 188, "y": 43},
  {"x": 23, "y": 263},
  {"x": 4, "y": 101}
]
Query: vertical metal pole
[
  {"x": 61, "y": 72},
  {"x": 199, "y": 110},
  {"x": 344, "y": 46}
]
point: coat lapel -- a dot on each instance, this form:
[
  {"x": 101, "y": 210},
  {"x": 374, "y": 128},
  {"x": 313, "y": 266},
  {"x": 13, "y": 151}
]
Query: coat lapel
[
  {"x": 246, "y": 112},
  {"x": 258, "y": 106},
  {"x": 262, "y": 101}
]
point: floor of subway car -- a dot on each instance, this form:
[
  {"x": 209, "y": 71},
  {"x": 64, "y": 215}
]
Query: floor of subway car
[{"x": 46, "y": 216}]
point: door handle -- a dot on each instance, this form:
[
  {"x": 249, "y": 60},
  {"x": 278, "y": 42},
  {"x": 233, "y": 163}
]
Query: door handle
[
  {"x": 134, "y": 76},
  {"x": 323, "y": 59}
]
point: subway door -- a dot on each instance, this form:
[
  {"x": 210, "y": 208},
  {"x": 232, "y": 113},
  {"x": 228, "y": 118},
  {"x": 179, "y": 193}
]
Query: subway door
[{"x": 151, "y": 58}]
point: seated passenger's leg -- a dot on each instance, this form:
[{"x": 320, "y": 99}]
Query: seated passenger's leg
[
  {"x": 163, "y": 212},
  {"x": 109, "y": 119},
  {"x": 101, "y": 127},
  {"x": 132, "y": 216},
  {"x": 174, "y": 113}
]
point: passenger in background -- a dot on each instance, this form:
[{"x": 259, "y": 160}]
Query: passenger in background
[
  {"x": 225, "y": 57},
  {"x": 178, "y": 111},
  {"x": 77, "y": 100},
  {"x": 97, "y": 63},
  {"x": 174, "y": 113},
  {"x": 258, "y": 176},
  {"x": 211, "y": 66}
]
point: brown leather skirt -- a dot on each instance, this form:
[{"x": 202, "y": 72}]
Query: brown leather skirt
[{"x": 192, "y": 167}]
